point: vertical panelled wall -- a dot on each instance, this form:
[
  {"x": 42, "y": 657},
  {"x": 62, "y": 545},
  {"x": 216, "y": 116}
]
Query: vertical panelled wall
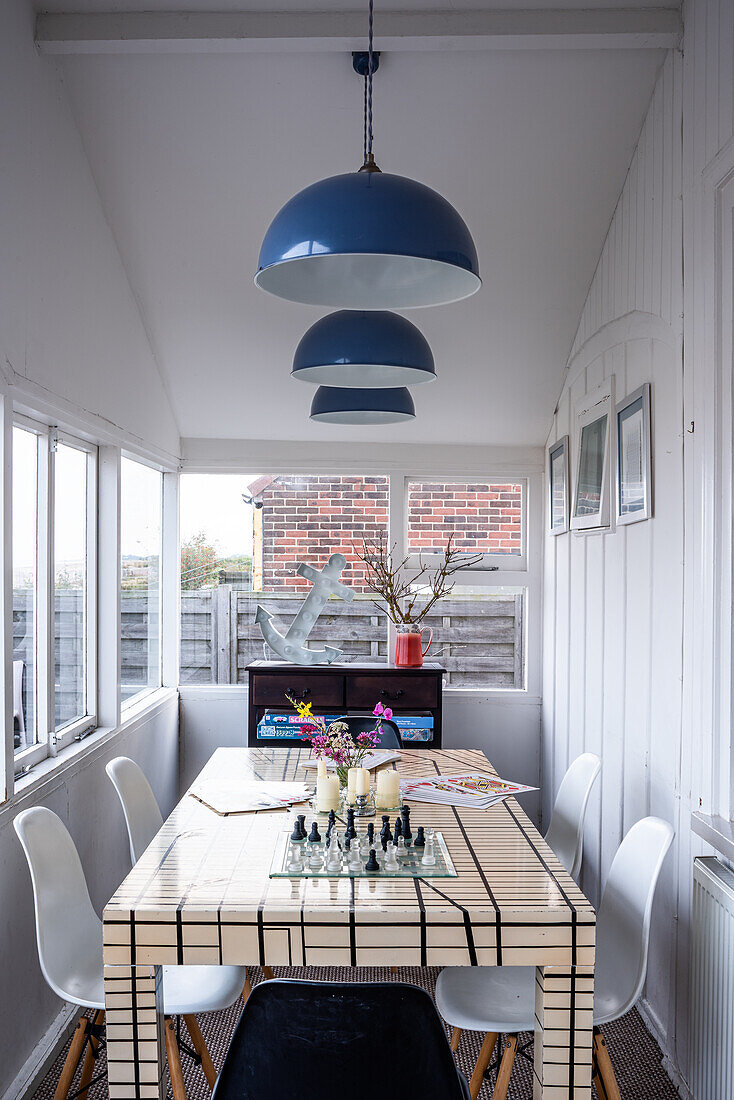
[{"x": 613, "y": 622}]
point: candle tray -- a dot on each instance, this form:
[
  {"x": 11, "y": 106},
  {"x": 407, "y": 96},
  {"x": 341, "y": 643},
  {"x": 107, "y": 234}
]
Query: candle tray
[{"x": 410, "y": 866}]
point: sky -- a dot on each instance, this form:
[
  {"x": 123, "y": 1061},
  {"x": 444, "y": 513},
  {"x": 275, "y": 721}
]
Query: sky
[{"x": 213, "y": 503}]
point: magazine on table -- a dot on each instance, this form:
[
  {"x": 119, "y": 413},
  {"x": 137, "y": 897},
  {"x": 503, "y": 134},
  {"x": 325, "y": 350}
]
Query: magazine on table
[{"x": 476, "y": 789}]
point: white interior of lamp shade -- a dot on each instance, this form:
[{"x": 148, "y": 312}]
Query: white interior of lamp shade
[
  {"x": 370, "y": 416},
  {"x": 367, "y": 281},
  {"x": 366, "y": 376}
]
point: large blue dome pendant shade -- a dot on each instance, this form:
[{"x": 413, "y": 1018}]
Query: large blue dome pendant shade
[
  {"x": 366, "y": 350},
  {"x": 368, "y": 240},
  {"x": 342, "y": 405}
]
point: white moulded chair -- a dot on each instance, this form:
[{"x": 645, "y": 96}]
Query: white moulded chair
[
  {"x": 501, "y": 1001},
  {"x": 566, "y": 830},
  {"x": 143, "y": 819},
  {"x": 565, "y": 836},
  {"x": 69, "y": 937}
]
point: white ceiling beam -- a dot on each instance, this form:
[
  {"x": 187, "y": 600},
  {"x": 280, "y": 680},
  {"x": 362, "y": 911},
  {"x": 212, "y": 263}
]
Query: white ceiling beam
[{"x": 269, "y": 31}]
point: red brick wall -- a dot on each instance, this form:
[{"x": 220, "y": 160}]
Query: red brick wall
[
  {"x": 484, "y": 518},
  {"x": 309, "y": 518}
]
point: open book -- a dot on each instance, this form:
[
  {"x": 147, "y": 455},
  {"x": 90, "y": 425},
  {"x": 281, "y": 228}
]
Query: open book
[{"x": 370, "y": 760}]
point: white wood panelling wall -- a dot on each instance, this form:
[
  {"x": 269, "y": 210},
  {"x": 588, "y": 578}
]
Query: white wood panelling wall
[{"x": 613, "y": 628}]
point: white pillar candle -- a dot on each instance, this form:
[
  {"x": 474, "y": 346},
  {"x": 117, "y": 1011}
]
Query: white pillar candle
[
  {"x": 352, "y": 783},
  {"x": 321, "y": 768},
  {"x": 388, "y": 790},
  {"x": 327, "y": 793},
  {"x": 362, "y": 781}
]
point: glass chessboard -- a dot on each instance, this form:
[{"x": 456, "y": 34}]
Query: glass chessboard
[{"x": 313, "y": 861}]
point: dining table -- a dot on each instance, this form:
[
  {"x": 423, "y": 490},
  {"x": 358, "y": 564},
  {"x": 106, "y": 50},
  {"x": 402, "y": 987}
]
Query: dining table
[{"x": 202, "y": 893}]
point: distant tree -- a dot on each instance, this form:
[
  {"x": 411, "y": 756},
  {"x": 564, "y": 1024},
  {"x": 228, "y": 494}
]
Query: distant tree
[{"x": 199, "y": 565}]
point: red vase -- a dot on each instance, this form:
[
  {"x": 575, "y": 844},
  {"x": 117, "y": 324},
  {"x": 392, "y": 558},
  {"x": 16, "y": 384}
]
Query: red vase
[{"x": 409, "y": 651}]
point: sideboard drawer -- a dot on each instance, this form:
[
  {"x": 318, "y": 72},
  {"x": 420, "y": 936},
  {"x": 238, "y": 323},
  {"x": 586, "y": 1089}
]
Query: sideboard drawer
[
  {"x": 323, "y": 689},
  {"x": 404, "y": 690}
]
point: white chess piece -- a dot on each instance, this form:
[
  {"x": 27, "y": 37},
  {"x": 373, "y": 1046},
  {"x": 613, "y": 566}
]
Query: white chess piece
[
  {"x": 315, "y": 859},
  {"x": 429, "y": 854},
  {"x": 391, "y": 861},
  {"x": 402, "y": 849},
  {"x": 295, "y": 863},
  {"x": 334, "y": 857}
]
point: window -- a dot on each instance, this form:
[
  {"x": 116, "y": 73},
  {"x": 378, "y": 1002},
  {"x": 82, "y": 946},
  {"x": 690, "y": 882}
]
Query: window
[
  {"x": 54, "y": 589},
  {"x": 483, "y": 517},
  {"x": 141, "y": 513},
  {"x": 242, "y": 538},
  {"x": 25, "y": 577}
]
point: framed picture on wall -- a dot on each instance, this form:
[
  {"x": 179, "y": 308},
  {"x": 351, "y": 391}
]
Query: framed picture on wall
[
  {"x": 594, "y": 427},
  {"x": 633, "y": 480},
  {"x": 558, "y": 487}
]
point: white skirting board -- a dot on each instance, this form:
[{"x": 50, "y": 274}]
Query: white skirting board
[{"x": 39, "y": 1061}]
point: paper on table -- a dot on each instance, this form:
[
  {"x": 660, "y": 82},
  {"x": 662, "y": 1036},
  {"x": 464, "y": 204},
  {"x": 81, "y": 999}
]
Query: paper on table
[
  {"x": 371, "y": 760},
  {"x": 236, "y": 796},
  {"x": 469, "y": 789}
]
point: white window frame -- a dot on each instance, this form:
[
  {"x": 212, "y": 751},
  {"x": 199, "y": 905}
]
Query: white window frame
[
  {"x": 49, "y": 740},
  {"x": 491, "y": 565},
  {"x": 148, "y": 689}
]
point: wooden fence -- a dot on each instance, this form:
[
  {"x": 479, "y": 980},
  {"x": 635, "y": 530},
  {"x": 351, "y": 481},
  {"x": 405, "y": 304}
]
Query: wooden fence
[{"x": 478, "y": 639}]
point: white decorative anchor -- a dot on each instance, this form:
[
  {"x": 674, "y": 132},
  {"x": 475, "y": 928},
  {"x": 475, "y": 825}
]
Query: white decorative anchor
[{"x": 325, "y": 583}]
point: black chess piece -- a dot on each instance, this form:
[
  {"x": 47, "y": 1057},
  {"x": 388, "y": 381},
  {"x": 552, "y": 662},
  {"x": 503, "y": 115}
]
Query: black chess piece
[
  {"x": 297, "y": 835},
  {"x": 407, "y": 832},
  {"x": 314, "y": 836},
  {"x": 398, "y": 831},
  {"x": 350, "y": 832},
  {"x": 301, "y": 819},
  {"x": 372, "y": 864},
  {"x": 420, "y": 838},
  {"x": 385, "y": 838},
  {"x": 332, "y": 819},
  {"x": 371, "y": 834},
  {"x": 386, "y": 830},
  {"x": 346, "y": 843}
]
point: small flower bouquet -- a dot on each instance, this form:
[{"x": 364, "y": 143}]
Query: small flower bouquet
[{"x": 334, "y": 742}]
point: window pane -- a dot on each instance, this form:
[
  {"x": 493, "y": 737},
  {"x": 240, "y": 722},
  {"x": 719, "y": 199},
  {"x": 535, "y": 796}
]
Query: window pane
[
  {"x": 484, "y": 518},
  {"x": 478, "y": 636},
  {"x": 140, "y": 549},
  {"x": 25, "y": 496},
  {"x": 242, "y": 540},
  {"x": 70, "y": 584}
]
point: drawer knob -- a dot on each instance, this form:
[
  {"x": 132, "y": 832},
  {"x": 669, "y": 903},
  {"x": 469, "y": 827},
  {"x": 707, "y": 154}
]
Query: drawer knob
[
  {"x": 391, "y": 694},
  {"x": 298, "y": 694}
]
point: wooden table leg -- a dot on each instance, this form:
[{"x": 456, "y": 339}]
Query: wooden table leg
[{"x": 564, "y": 1009}]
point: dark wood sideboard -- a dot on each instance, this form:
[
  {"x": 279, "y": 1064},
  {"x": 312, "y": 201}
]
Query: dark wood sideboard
[{"x": 344, "y": 689}]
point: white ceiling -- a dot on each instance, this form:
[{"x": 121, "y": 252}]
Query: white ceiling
[{"x": 193, "y": 154}]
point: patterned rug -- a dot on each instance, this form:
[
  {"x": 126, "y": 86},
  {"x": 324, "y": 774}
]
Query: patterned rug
[{"x": 635, "y": 1054}]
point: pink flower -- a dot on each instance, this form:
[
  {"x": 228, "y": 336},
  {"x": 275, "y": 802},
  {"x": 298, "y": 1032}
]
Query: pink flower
[
  {"x": 379, "y": 709},
  {"x": 387, "y": 713}
]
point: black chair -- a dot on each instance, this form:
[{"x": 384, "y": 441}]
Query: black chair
[
  {"x": 389, "y": 732},
  {"x": 328, "y": 1040}
]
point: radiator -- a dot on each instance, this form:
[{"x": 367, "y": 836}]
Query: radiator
[{"x": 712, "y": 981}]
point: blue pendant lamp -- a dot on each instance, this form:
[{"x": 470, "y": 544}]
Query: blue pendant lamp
[
  {"x": 344, "y": 405},
  {"x": 368, "y": 350},
  {"x": 368, "y": 240}
]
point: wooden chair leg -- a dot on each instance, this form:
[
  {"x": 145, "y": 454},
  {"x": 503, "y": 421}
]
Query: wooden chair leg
[
  {"x": 72, "y": 1059},
  {"x": 485, "y": 1055},
  {"x": 505, "y": 1071},
  {"x": 201, "y": 1049},
  {"x": 604, "y": 1079},
  {"x": 90, "y": 1057},
  {"x": 174, "y": 1060},
  {"x": 247, "y": 988},
  {"x": 456, "y": 1039},
  {"x": 268, "y": 972}
]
